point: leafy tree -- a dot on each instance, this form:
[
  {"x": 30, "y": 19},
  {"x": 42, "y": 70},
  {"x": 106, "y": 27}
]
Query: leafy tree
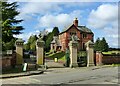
[
  {"x": 48, "y": 41},
  {"x": 101, "y": 45},
  {"x": 104, "y": 44},
  {"x": 9, "y": 23},
  {"x": 49, "y": 38},
  {"x": 96, "y": 47},
  {"x": 27, "y": 46},
  {"x": 31, "y": 43},
  {"x": 32, "y": 39},
  {"x": 55, "y": 31},
  {"x": 10, "y": 45},
  {"x": 33, "y": 46},
  {"x": 43, "y": 34}
]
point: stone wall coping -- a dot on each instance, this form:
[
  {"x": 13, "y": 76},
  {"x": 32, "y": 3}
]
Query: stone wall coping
[
  {"x": 6, "y": 57},
  {"x": 89, "y": 43},
  {"x": 19, "y": 40},
  {"x": 39, "y": 40}
]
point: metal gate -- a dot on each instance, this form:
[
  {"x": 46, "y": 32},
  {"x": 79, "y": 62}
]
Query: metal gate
[{"x": 82, "y": 58}]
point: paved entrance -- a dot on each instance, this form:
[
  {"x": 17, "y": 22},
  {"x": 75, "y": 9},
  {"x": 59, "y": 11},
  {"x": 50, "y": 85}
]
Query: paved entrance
[{"x": 53, "y": 64}]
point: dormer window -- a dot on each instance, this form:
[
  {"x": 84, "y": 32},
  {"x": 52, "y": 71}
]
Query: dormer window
[{"x": 84, "y": 35}]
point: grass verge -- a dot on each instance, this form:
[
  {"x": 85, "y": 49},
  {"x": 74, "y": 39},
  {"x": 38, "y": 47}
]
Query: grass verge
[{"x": 58, "y": 55}]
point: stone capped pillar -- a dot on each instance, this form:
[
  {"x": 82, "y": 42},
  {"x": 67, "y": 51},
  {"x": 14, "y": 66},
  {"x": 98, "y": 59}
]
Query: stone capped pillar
[
  {"x": 99, "y": 58},
  {"x": 19, "y": 51},
  {"x": 73, "y": 53},
  {"x": 40, "y": 51},
  {"x": 90, "y": 53}
]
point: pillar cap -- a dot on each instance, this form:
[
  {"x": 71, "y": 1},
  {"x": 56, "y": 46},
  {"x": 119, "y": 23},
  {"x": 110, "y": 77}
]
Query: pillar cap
[
  {"x": 89, "y": 43},
  {"x": 40, "y": 40},
  {"x": 40, "y": 43},
  {"x": 19, "y": 40},
  {"x": 73, "y": 43}
]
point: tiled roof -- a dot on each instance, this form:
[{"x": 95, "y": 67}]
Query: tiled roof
[
  {"x": 81, "y": 28},
  {"x": 84, "y": 29}
]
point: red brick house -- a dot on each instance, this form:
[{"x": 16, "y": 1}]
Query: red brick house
[{"x": 82, "y": 33}]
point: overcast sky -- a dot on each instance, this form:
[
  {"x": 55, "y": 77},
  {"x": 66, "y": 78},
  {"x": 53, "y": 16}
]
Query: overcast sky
[{"x": 100, "y": 17}]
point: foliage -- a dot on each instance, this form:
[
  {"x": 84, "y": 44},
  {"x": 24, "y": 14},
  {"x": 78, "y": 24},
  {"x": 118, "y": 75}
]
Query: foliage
[
  {"x": 116, "y": 65},
  {"x": 111, "y": 52},
  {"x": 101, "y": 45},
  {"x": 82, "y": 58},
  {"x": 31, "y": 44},
  {"x": 48, "y": 41},
  {"x": 49, "y": 38},
  {"x": 55, "y": 31},
  {"x": 62, "y": 58},
  {"x": 105, "y": 46},
  {"x": 9, "y": 24},
  {"x": 96, "y": 47},
  {"x": 27, "y": 46},
  {"x": 9, "y": 45}
]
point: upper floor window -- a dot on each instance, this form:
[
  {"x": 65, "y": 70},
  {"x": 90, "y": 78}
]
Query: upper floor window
[
  {"x": 84, "y": 35},
  {"x": 72, "y": 33}
]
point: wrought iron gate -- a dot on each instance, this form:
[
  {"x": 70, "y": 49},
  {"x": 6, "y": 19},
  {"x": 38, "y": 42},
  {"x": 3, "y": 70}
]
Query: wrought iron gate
[{"x": 82, "y": 58}]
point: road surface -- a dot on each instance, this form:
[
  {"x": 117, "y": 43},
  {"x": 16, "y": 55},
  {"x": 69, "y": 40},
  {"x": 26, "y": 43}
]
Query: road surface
[{"x": 84, "y": 75}]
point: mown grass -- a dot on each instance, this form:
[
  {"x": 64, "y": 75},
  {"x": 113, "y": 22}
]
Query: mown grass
[
  {"x": 112, "y": 52},
  {"x": 62, "y": 58},
  {"x": 58, "y": 55},
  {"x": 116, "y": 65}
]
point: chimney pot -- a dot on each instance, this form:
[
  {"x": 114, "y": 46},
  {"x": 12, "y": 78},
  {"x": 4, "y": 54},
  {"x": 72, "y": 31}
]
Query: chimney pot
[{"x": 75, "y": 22}]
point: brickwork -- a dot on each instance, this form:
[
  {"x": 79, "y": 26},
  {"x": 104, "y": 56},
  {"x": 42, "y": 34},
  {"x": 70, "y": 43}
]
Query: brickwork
[
  {"x": 64, "y": 38},
  {"x": 107, "y": 59},
  {"x": 73, "y": 29},
  {"x": 6, "y": 61}
]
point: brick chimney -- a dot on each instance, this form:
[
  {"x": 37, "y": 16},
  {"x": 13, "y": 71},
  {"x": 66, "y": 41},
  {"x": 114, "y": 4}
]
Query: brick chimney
[{"x": 75, "y": 22}]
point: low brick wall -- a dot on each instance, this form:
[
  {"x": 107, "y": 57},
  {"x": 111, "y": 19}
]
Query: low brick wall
[
  {"x": 107, "y": 59},
  {"x": 111, "y": 59},
  {"x": 8, "y": 61},
  {"x": 5, "y": 61}
]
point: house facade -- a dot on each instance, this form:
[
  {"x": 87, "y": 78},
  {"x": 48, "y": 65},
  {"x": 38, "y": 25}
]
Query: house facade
[{"x": 82, "y": 34}]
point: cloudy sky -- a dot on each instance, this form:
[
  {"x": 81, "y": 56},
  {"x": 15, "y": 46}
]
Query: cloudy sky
[{"x": 100, "y": 17}]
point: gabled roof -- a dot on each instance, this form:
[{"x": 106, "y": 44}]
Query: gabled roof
[
  {"x": 83, "y": 29},
  {"x": 56, "y": 41}
]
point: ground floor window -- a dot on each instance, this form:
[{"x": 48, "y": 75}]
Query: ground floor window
[{"x": 83, "y": 46}]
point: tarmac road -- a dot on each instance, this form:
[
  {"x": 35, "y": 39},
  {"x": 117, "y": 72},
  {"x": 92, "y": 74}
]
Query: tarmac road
[{"x": 84, "y": 75}]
